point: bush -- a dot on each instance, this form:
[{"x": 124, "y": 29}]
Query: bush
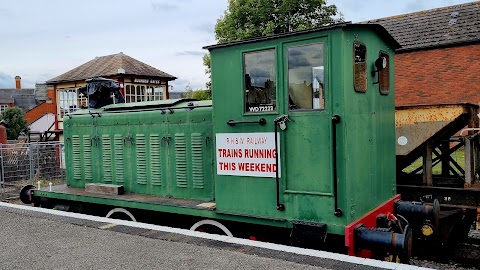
[{"x": 14, "y": 122}]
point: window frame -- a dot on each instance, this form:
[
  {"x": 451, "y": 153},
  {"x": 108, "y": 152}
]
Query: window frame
[
  {"x": 132, "y": 91},
  {"x": 386, "y": 91},
  {"x": 274, "y": 49},
  {"x": 324, "y": 42},
  {"x": 354, "y": 68},
  {"x": 76, "y": 101},
  {"x": 3, "y": 107}
]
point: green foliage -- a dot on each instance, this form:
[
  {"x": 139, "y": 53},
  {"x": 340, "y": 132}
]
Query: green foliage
[
  {"x": 202, "y": 94},
  {"x": 255, "y": 18},
  {"x": 208, "y": 71},
  {"x": 15, "y": 122},
  {"x": 188, "y": 91},
  {"x": 198, "y": 94}
]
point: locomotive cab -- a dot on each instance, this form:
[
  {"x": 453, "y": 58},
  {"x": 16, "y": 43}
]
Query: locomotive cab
[{"x": 304, "y": 125}]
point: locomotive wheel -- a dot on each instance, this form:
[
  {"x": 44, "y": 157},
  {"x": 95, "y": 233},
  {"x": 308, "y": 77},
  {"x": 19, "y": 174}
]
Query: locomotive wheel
[
  {"x": 212, "y": 223},
  {"x": 25, "y": 194},
  {"x": 121, "y": 210}
]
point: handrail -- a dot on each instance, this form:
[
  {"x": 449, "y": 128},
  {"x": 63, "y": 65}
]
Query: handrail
[
  {"x": 261, "y": 121},
  {"x": 335, "y": 120}
]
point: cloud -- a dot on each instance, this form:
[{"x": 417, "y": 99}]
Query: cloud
[
  {"x": 294, "y": 52},
  {"x": 179, "y": 85},
  {"x": 414, "y": 6},
  {"x": 163, "y": 7},
  {"x": 299, "y": 61},
  {"x": 167, "y": 5},
  {"x": 208, "y": 28},
  {"x": 256, "y": 72},
  {"x": 6, "y": 81},
  {"x": 193, "y": 53},
  {"x": 4, "y": 12}
]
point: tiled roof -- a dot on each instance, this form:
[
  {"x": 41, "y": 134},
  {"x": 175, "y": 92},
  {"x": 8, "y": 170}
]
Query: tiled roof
[
  {"x": 23, "y": 98},
  {"x": 25, "y": 102},
  {"x": 435, "y": 27},
  {"x": 110, "y": 65}
]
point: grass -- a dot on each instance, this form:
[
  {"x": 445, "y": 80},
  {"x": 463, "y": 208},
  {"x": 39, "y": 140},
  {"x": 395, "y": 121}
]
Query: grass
[{"x": 458, "y": 156}]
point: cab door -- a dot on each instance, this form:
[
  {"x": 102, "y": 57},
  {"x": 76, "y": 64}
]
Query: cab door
[{"x": 308, "y": 136}]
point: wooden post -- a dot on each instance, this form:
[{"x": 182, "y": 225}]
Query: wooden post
[
  {"x": 469, "y": 162},
  {"x": 444, "y": 148},
  {"x": 427, "y": 165}
]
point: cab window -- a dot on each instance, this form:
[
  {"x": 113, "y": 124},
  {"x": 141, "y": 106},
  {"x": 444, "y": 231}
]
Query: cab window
[
  {"x": 306, "y": 78},
  {"x": 384, "y": 76},
  {"x": 360, "y": 67},
  {"x": 260, "y": 81}
]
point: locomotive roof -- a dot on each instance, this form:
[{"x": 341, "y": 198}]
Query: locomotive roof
[{"x": 375, "y": 27}]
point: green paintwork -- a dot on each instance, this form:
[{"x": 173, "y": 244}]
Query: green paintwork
[
  {"x": 172, "y": 154},
  {"x": 146, "y": 151},
  {"x": 365, "y": 136}
]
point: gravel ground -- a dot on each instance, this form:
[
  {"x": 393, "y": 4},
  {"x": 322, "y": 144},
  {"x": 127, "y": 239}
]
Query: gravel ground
[
  {"x": 462, "y": 252},
  {"x": 435, "y": 265}
]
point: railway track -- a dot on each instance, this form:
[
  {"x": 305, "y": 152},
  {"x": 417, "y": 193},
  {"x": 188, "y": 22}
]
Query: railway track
[
  {"x": 474, "y": 237},
  {"x": 463, "y": 256}
]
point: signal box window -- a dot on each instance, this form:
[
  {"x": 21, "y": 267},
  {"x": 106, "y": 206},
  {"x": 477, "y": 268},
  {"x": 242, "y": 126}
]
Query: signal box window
[
  {"x": 306, "y": 79},
  {"x": 260, "y": 81},
  {"x": 384, "y": 76},
  {"x": 360, "y": 67}
]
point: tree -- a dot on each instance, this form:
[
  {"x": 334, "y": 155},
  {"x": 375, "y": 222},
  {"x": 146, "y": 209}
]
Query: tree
[
  {"x": 202, "y": 94},
  {"x": 188, "y": 91},
  {"x": 208, "y": 71},
  {"x": 15, "y": 122},
  {"x": 256, "y": 18}
]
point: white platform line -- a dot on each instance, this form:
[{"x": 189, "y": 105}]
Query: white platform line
[{"x": 222, "y": 238}]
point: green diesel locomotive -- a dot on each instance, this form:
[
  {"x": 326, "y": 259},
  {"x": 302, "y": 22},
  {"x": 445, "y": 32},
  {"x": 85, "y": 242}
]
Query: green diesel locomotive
[{"x": 300, "y": 136}]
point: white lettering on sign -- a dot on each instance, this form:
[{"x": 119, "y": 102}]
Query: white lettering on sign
[
  {"x": 247, "y": 154},
  {"x": 151, "y": 81}
]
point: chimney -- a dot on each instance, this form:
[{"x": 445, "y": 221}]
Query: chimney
[{"x": 18, "y": 82}]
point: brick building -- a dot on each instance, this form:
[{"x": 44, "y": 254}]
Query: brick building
[{"x": 439, "y": 61}]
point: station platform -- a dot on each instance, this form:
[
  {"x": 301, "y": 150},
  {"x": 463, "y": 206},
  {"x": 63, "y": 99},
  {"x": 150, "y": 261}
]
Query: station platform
[{"x": 38, "y": 238}]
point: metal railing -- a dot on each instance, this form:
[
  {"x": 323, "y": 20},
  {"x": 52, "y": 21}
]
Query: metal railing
[{"x": 28, "y": 164}]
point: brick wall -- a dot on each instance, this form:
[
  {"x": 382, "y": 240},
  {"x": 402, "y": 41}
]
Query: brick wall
[
  {"x": 39, "y": 111},
  {"x": 438, "y": 76}
]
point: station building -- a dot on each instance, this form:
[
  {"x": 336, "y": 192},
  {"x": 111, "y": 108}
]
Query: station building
[{"x": 138, "y": 82}]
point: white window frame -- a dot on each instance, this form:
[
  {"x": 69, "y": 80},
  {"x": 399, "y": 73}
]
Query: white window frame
[
  {"x": 3, "y": 107},
  {"x": 69, "y": 101},
  {"x": 143, "y": 92}
]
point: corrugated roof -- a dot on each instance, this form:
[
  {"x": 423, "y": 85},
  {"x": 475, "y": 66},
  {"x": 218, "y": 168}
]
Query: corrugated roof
[
  {"x": 109, "y": 65},
  {"x": 436, "y": 27}
]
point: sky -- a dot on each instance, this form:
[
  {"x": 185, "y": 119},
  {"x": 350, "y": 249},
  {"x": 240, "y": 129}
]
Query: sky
[{"x": 40, "y": 40}]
